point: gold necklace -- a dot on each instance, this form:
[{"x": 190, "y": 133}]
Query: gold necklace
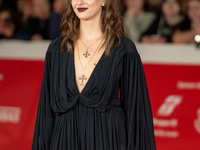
[
  {"x": 83, "y": 77},
  {"x": 86, "y": 54}
]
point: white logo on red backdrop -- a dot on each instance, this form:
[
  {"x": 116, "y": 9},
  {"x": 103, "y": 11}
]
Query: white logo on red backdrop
[
  {"x": 10, "y": 114},
  {"x": 197, "y": 121},
  {"x": 171, "y": 102},
  {"x": 182, "y": 85},
  {"x": 165, "y": 110}
]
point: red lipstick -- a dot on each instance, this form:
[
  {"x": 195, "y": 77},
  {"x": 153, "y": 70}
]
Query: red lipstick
[{"x": 82, "y": 9}]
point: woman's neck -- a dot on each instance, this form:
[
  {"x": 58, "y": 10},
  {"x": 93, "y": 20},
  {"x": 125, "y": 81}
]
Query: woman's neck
[{"x": 90, "y": 29}]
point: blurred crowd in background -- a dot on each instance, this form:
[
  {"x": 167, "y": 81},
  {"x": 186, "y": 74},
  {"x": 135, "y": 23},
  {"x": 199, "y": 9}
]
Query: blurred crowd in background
[{"x": 146, "y": 21}]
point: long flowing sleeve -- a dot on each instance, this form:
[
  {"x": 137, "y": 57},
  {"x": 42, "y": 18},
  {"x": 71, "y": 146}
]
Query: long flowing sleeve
[
  {"x": 45, "y": 117},
  {"x": 136, "y": 103}
]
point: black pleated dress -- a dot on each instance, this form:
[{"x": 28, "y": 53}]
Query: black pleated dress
[{"x": 97, "y": 118}]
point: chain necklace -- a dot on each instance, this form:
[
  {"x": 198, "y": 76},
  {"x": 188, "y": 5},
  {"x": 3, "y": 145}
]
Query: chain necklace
[
  {"x": 86, "y": 54},
  {"x": 83, "y": 77}
]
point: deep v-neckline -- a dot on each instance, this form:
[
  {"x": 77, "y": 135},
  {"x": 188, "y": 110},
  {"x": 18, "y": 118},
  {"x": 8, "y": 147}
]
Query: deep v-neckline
[{"x": 91, "y": 75}]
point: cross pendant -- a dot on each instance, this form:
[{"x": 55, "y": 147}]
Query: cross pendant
[
  {"x": 86, "y": 54},
  {"x": 82, "y": 78}
]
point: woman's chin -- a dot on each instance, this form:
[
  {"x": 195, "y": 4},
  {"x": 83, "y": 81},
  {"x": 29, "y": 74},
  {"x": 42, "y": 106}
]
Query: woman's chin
[{"x": 84, "y": 18}]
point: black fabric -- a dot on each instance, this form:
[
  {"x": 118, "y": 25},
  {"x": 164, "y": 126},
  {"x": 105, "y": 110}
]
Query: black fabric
[{"x": 97, "y": 118}]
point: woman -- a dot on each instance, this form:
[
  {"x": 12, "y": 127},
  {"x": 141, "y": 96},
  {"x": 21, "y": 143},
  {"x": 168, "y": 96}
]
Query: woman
[
  {"x": 163, "y": 28},
  {"x": 36, "y": 28},
  {"x": 8, "y": 23},
  {"x": 79, "y": 106},
  {"x": 193, "y": 12},
  {"x": 54, "y": 30},
  {"x": 136, "y": 19}
]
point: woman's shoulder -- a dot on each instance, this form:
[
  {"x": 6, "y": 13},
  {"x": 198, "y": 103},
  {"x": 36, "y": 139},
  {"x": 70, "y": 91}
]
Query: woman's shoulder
[
  {"x": 129, "y": 45},
  {"x": 55, "y": 44},
  {"x": 128, "y": 51}
]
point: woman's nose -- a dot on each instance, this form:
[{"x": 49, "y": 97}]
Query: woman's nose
[{"x": 79, "y": 2}]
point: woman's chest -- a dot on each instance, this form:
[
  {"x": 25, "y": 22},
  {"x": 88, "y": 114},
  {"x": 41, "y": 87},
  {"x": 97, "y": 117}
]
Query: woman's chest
[{"x": 65, "y": 77}]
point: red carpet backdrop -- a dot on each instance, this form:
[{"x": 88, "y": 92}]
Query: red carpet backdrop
[
  {"x": 175, "y": 97},
  {"x": 172, "y": 74}
]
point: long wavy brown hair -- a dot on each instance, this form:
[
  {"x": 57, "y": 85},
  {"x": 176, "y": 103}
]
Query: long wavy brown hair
[{"x": 112, "y": 25}]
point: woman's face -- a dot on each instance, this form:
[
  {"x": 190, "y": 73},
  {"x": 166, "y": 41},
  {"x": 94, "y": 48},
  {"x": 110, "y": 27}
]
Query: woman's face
[
  {"x": 58, "y": 6},
  {"x": 7, "y": 26},
  {"x": 171, "y": 8},
  {"x": 21, "y": 5},
  {"x": 41, "y": 8},
  {"x": 194, "y": 10},
  {"x": 87, "y": 9}
]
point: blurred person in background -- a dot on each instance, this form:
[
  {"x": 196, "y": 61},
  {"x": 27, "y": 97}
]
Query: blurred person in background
[
  {"x": 194, "y": 15},
  {"x": 163, "y": 28},
  {"x": 54, "y": 29},
  {"x": 37, "y": 27},
  {"x": 24, "y": 12},
  {"x": 24, "y": 9},
  {"x": 136, "y": 19},
  {"x": 8, "y": 23}
]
